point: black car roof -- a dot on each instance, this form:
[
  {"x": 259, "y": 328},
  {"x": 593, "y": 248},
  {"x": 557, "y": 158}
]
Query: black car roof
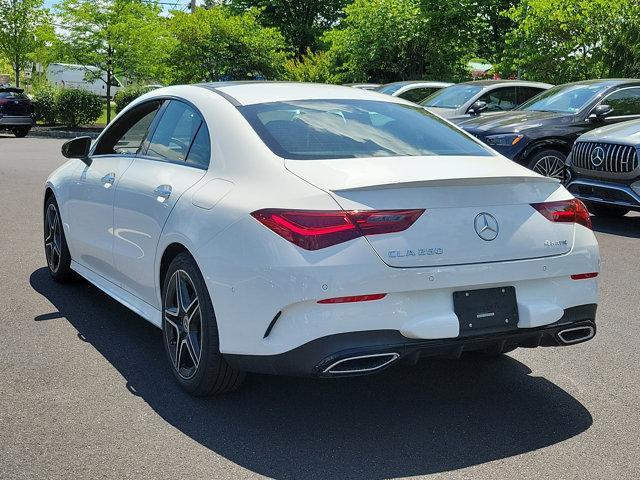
[{"x": 11, "y": 89}]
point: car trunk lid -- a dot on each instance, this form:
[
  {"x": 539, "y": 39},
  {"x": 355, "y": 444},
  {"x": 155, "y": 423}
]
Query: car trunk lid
[{"x": 477, "y": 209}]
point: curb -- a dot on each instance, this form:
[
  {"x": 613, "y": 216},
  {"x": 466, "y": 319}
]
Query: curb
[{"x": 36, "y": 132}]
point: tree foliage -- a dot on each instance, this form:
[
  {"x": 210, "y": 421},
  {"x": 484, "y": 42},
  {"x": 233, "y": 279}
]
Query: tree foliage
[
  {"x": 120, "y": 37},
  {"x": 214, "y": 44},
  {"x": 565, "y": 40},
  {"x": 491, "y": 26},
  {"x": 302, "y": 22},
  {"x": 386, "y": 40},
  {"x": 128, "y": 94},
  {"x": 24, "y": 26},
  {"x": 319, "y": 67}
]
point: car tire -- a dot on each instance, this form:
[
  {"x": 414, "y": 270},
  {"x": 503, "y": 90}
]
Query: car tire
[
  {"x": 190, "y": 332},
  {"x": 55, "y": 243},
  {"x": 548, "y": 162},
  {"x": 21, "y": 132},
  {"x": 607, "y": 211}
]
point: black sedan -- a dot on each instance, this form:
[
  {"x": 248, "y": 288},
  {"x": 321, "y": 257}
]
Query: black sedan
[
  {"x": 16, "y": 111},
  {"x": 540, "y": 133}
]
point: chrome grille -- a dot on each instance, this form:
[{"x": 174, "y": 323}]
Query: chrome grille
[{"x": 609, "y": 157}]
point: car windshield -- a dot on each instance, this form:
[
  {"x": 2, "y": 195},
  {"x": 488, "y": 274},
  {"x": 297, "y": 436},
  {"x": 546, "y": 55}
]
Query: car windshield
[
  {"x": 563, "y": 98},
  {"x": 390, "y": 89},
  {"x": 451, "y": 97},
  {"x": 321, "y": 129}
]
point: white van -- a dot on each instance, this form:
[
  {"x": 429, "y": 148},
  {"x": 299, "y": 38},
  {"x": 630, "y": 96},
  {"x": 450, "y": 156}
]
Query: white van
[{"x": 84, "y": 77}]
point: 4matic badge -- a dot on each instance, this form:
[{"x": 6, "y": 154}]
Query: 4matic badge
[
  {"x": 420, "y": 252},
  {"x": 555, "y": 243}
]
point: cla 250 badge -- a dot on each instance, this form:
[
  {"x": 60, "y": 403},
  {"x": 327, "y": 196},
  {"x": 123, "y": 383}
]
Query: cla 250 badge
[{"x": 420, "y": 252}]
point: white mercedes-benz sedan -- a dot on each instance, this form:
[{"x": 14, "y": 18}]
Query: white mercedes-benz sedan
[{"x": 316, "y": 230}]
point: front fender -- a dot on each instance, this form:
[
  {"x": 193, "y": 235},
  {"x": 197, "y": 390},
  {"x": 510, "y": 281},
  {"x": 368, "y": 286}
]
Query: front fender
[{"x": 557, "y": 143}]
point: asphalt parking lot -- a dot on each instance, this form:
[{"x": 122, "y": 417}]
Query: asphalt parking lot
[{"x": 85, "y": 392}]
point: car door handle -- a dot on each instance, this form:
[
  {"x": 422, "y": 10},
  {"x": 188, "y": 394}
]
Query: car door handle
[
  {"x": 162, "y": 192},
  {"x": 108, "y": 179}
]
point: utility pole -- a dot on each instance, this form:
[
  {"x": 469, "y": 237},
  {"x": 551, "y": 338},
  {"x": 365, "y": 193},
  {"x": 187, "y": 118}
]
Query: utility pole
[{"x": 193, "y": 6}]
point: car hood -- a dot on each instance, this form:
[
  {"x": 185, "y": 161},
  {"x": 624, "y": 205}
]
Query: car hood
[
  {"x": 627, "y": 133},
  {"x": 512, "y": 121}
]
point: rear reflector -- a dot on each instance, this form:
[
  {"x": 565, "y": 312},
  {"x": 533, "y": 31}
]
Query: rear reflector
[
  {"x": 565, "y": 211},
  {"x": 584, "y": 276},
  {"x": 356, "y": 298},
  {"x": 316, "y": 229}
]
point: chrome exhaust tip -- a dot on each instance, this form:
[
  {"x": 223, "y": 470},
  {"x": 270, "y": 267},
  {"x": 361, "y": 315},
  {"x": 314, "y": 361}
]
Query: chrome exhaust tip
[
  {"x": 361, "y": 364},
  {"x": 576, "y": 334}
]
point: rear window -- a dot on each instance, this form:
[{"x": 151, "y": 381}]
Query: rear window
[
  {"x": 320, "y": 129},
  {"x": 13, "y": 95}
]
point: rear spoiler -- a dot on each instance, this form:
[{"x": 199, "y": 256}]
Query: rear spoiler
[{"x": 451, "y": 182}]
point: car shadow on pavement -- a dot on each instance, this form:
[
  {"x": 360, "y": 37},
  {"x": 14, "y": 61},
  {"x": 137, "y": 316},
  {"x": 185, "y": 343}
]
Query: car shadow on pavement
[
  {"x": 440, "y": 415},
  {"x": 627, "y": 226}
]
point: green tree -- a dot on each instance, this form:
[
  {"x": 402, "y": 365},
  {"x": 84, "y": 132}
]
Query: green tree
[
  {"x": 22, "y": 25},
  {"x": 624, "y": 45},
  {"x": 567, "y": 40},
  {"x": 119, "y": 37},
  {"x": 387, "y": 40},
  {"x": 214, "y": 44},
  {"x": 491, "y": 26},
  {"x": 302, "y": 22},
  {"x": 317, "y": 67}
]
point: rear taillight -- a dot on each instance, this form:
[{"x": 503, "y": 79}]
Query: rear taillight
[
  {"x": 316, "y": 229},
  {"x": 565, "y": 211}
]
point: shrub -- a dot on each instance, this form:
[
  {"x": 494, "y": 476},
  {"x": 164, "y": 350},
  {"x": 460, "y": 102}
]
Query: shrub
[
  {"x": 75, "y": 107},
  {"x": 128, "y": 94},
  {"x": 317, "y": 67},
  {"x": 44, "y": 102}
]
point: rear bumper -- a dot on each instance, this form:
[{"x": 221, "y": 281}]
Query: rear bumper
[
  {"x": 606, "y": 193},
  {"x": 16, "y": 121},
  {"x": 316, "y": 357}
]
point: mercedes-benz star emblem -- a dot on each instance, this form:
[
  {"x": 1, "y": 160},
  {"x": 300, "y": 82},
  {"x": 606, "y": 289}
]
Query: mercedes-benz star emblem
[
  {"x": 597, "y": 156},
  {"x": 486, "y": 226}
]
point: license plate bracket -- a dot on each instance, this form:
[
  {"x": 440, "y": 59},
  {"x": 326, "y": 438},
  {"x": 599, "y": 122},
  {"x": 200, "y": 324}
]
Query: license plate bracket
[{"x": 488, "y": 310}]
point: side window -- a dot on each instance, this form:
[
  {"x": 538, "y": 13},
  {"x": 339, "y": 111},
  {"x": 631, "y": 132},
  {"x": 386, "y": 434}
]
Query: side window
[
  {"x": 200, "y": 151},
  {"x": 125, "y": 136},
  {"x": 624, "y": 102},
  {"x": 500, "y": 99},
  {"x": 417, "y": 94},
  {"x": 525, "y": 93},
  {"x": 175, "y": 131}
]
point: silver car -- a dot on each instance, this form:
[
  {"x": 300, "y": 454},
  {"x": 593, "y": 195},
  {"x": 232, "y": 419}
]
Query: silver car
[
  {"x": 473, "y": 98},
  {"x": 412, "y": 90},
  {"x": 604, "y": 170}
]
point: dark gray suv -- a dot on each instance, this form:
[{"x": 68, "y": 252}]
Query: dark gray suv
[
  {"x": 16, "y": 111},
  {"x": 604, "y": 169}
]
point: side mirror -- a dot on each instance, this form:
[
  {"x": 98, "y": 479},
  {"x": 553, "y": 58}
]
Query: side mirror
[
  {"x": 600, "y": 112},
  {"x": 478, "y": 107},
  {"x": 78, "y": 148}
]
